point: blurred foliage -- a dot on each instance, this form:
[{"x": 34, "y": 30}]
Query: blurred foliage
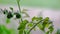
[
  {"x": 4, "y": 30},
  {"x": 58, "y": 31},
  {"x": 40, "y": 3}
]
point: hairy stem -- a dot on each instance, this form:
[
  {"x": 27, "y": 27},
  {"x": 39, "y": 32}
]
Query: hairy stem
[
  {"x": 18, "y": 2},
  {"x": 35, "y": 26}
]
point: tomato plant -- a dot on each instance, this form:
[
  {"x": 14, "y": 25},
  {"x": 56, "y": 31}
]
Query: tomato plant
[{"x": 25, "y": 26}]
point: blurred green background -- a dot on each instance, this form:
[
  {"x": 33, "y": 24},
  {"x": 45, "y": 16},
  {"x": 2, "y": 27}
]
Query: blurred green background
[{"x": 39, "y": 3}]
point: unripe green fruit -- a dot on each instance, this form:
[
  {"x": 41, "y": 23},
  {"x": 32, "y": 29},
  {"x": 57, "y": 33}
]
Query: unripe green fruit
[
  {"x": 9, "y": 15},
  {"x": 18, "y": 15}
]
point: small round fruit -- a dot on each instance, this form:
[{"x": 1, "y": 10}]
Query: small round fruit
[
  {"x": 18, "y": 15},
  {"x": 9, "y": 15}
]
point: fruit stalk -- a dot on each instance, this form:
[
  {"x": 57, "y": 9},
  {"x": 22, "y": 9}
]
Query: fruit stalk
[{"x": 18, "y": 2}]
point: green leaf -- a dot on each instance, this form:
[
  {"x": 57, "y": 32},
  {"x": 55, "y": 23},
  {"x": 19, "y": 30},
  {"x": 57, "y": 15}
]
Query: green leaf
[
  {"x": 11, "y": 8},
  {"x": 47, "y": 32},
  {"x": 51, "y": 29},
  {"x": 34, "y": 18},
  {"x": 25, "y": 22},
  {"x": 26, "y": 14},
  {"x": 40, "y": 26},
  {"x": 24, "y": 10},
  {"x": 40, "y": 18},
  {"x": 44, "y": 23},
  {"x": 47, "y": 25},
  {"x": 22, "y": 26},
  {"x": 21, "y": 31},
  {"x": 26, "y": 32},
  {"x": 37, "y": 18},
  {"x": 46, "y": 19},
  {"x": 30, "y": 24}
]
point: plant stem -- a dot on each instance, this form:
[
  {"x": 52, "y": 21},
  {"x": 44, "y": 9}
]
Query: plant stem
[
  {"x": 19, "y": 10},
  {"x": 34, "y": 26}
]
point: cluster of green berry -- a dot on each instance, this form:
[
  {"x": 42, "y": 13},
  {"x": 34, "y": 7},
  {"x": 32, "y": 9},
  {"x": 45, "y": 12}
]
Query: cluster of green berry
[{"x": 11, "y": 14}]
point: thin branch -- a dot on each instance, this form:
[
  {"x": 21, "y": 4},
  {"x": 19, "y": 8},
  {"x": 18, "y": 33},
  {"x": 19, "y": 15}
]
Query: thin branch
[
  {"x": 19, "y": 9},
  {"x": 34, "y": 26}
]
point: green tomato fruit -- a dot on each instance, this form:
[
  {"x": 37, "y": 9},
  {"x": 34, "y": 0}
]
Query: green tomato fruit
[
  {"x": 9, "y": 15},
  {"x": 18, "y": 15}
]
